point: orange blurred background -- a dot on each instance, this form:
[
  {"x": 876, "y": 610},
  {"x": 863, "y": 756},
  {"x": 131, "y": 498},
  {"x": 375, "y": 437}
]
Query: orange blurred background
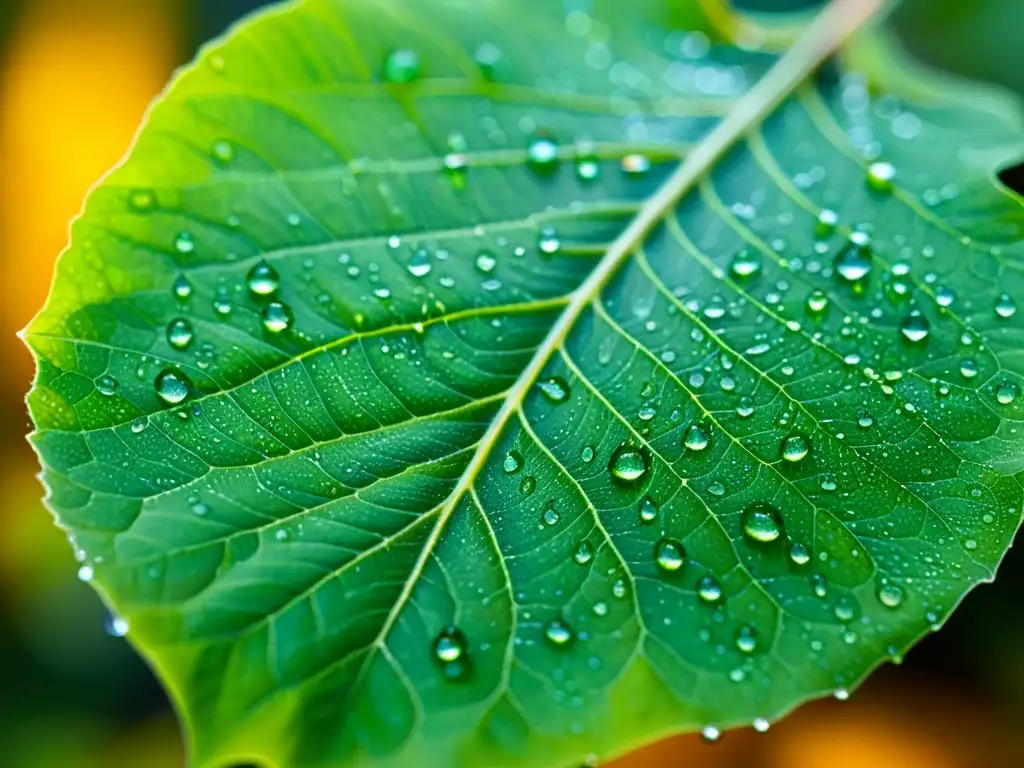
[{"x": 75, "y": 79}]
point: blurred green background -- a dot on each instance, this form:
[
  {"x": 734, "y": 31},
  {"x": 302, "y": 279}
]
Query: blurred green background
[{"x": 75, "y": 79}]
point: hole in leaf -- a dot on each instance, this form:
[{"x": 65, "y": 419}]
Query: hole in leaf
[{"x": 1013, "y": 177}]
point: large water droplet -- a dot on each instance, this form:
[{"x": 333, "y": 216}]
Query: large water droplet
[
  {"x": 262, "y": 279},
  {"x": 915, "y": 328},
  {"x": 795, "y": 448},
  {"x": 853, "y": 263},
  {"x": 106, "y": 385},
  {"x": 890, "y": 595},
  {"x": 709, "y": 590},
  {"x": 745, "y": 407},
  {"x": 584, "y": 552},
  {"x": 450, "y": 645},
  {"x": 419, "y": 263},
  {"x": 172, "y": 386},
  {"x": 799, "y": 555},
  {"x": 277, "y": 317},
  {"x": 402, "y": 66},
  {"x": 746, "y": 263},
  {"x": 761, "y": 523},
  {"x": 554, "y": 389},
  {"x": 559, "y": 633},
  {"x": 1006, "y": 307},
  {"x": 179, "y": 333},
  {"x": 627, "y": 464},
  {"x": 1006, "y": 393},
  {"x": 696, "y": 438},
  {"x": 181, "y": 287},
  {"x": 968, "y": 369},
  {"x": 669, "y": 555}
]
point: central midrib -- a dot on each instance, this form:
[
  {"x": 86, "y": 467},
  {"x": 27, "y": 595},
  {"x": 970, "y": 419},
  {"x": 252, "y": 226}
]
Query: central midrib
[{"x": 829, "y": 30}]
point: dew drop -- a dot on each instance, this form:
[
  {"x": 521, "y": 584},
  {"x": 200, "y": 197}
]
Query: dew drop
[
  {"x": 179, "y": 333},
  {"x": 710, "y": 733},
  {"x": 669, "y": 555},
  {"x": 542, "y": 153},
  {"x": 915, "y": 328},
  {"x": 587, "y": 454},
  {"x": 827, "y": 222},
  {"x": 761, "y": 724},
  {"x": 184, "y": 243},
  {"x": 890, "y": 595},
  {"x": 819, "y": 585},
  {"x": 864, "y": 419},
  {"x": 1006, "y": 393},
  {"x": 106, "y": 385},
  {"x": 172, "y": 387},
  {"x": 746, "y": 263},
  {"x": 636, "y": 164},
  {"x": 139, "y": 426},
  {"x": 968, "y": 369},
  {"x": 853, "y": 263},
  {"x": 85, "y": 573},
  {"x": 817, "y": 302},
  {"x": 841, "y": 694},
  {"x": 795, "y": 448},
  {"x": 745, "y": 407},
  {"x": 527, "y": 485},
  {"x": 627, "y": 464},
  {"x": 648, "y": 510},
  {"x": 554, "y": 389},
  {"x": 513, "y": 462},
  {"x": 746, "y": 640},
  {"x": 487, "y": 58},
  {"x": 761, "y": 523},
  {"x": 402, "y": 66},
  {"x": 709, "y": 590},
  {"x": 696, "y": 439},
  {"x": 222, "y": 151},
  {"x": 716, "y": 488},
  {"x": 844, "y": 609},
  {"x": 880, "y": 176},
  {"x": 799, "y": 555},
  {"x": 262, "y": 279},
  {"x": 558, "y": 633},
  {"x": 1006, "y": 307},
  {"x": 450, "y": 645},
  {"x": 548, "y": 241},
  {"x": 485, "y": 262},
  {"x": 551, "y": 516},
  {"x": 419, "y": 264},
  {"x": 277, "y": 317},
  {"x": 584, "y": 553},
  {"x": 181, "y": 287}
]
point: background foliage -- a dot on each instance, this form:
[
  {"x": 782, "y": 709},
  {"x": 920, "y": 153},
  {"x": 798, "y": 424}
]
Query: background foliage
[{"x": 76, "y": 75}]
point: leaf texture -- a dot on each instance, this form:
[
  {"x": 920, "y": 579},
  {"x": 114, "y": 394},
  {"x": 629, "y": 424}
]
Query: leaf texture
[{"x": 450, "y": 383}]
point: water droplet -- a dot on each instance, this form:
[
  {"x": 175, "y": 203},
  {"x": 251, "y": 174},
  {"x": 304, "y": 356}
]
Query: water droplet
[
  {"x": 945, "y": 297},
  {"x": 584, "y": 553},
  {"x": 222, "y": 303},
  {"x": 587, "y": 454},
  {"x": 450, "y": 645},
  {"x": 118, "y": 627},
  {"x": 179, "y": 333},
  {"x": 636, "y": 164},
  {"x": 542, "y": 153},
  {"x": 139, "y": 426},
  {"x": 276, "y": 317},
  {"x": 551, "y": 516},
  {"x": 817, "y": 302},
  {"x": 669, "y": 555},
  {"x": 262, "y": 279},
  {"x": 558, "y": 633},
  {"x": 696, "y": 439},
  {"x": 85, "y": 573},
  {"x": 716, "y": 489},
  {"x": 1006, "y": 307},
  {"x": 184, "y": 243},
  {"x": 915, "y": 328},
  {"x": 799, "y": 555},
  {"x": 1006, "y": 393},
  {"x": 864, "y": 419},
  {"x": 402, "y": 66},
  {"x": 746, "y": 640},
  {"x": 795, "y": 448},
  {"x": 841, "y": 694},
  {"x": 487, "y": 58},
  {"x": 819, "y": 585},
  {"x": 141, "y": 199},
  {"x": 709, "y": 590},
  {"x": 880, "y": 176},
  {"x": 762, "y": 523},
  {"x": 828, "y": 482},
  {"x": 627, "y": 464},
  {"x": 513, "y": 462},
  {"x": 485, "y": 262},
  {"x": 746, "y": 263},
  {"x": 548, "y": 241},
  {"x": 648, "y": 510},
  {"x": 853, "y": 263},
  {"x": 761, "y": 724},
  {"x": 419, "y": 263},
  {"x": 181, "y": 287},
  {"x": 745, "y": 407},
  {"x": 222, "y": 151},
  {"x": 890, "y": 595},
  {"x": 826, "y": 224},
  {"x": 172, "y": 386},
  {"x": 106, "y": 385},
  {"x": 554, "y": 389},
  {"x": 710, "y": 733},
  {"x": 844, "y": 609},
  {"x": 527, "y": 485},
  {"x": 968, "y": 369}
]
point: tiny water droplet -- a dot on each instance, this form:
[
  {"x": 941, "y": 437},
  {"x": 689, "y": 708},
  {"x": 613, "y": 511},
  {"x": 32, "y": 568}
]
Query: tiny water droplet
[
  {"x": 761, "y": 724},
  {"x": 139, "y": 425},
  {"x": 669, "y": 555},
  {"x": 841, "y": 694},
  {"x": 548, "y": 241},
  {"x": 222, "y": 303},
  {"x": 262, "y": 279},
  {"x": 551, "y": 516},
  {"x": 636, "y": 164},
  {"x": 844, "y": 609},
  {"x": 277, "y": 317},
  {"x": 172, "y": 387},
  {"x": 761, "y": 523},
  {"x": 85, "y": 573},
  {"x": 819, "y": 585},
  {"x": 179, "y": 333},
  {"x": 487, "y": 58}
]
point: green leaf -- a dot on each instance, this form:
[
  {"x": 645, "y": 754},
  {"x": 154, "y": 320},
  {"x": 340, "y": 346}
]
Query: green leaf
[{"x": 468, "y": 383}]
